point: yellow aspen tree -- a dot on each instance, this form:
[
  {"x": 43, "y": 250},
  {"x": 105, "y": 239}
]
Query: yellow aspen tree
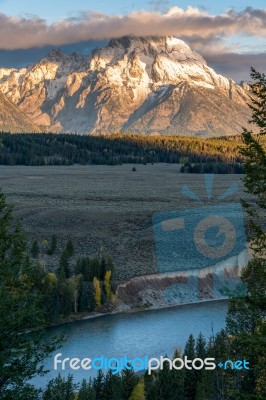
[
  {"x": 112, "y": 297},
  {"x": 73, "y": 283},
  {"x": 107, "y": 284},
  {"x": 97, "y": 292},
  {"x": 138, "y": 392}
]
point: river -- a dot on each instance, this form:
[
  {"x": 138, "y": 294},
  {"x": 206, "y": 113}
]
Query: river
[{"x": 152, "y": 333}]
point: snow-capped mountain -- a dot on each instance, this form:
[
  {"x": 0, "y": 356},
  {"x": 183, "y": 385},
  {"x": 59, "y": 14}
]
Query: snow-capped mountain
[{"x": 135, "y": 84}]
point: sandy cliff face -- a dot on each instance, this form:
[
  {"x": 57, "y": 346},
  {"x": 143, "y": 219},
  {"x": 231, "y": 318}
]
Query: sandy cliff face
[
  {"x": 151, "y": 85},
  {"x": 161, "y": 290}
]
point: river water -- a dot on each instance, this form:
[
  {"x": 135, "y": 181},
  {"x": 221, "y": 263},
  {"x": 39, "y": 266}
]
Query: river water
[{"x": 151, "y": 333}]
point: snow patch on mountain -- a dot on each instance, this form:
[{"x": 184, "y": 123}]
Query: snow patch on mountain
[{"x": 142, "y": 84}]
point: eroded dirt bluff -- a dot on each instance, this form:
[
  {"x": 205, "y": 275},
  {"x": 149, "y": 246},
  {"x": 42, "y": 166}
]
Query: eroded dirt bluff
[
  {"x": 134, "y": 84},
  {"x": 161, "y": 290}
]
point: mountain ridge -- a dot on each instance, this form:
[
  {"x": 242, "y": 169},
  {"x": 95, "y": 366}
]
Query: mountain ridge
[{"x": 154, "y": 85}]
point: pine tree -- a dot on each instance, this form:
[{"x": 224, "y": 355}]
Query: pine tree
[
  {"x": 69, "y": 249},
  {"x": 201, "y": 346},
  {"x": 129, "y": 380},
  {"x": 91, "y": 300},
  {"x": 98, "y": 385},
  {"x": 222, "y": 348},
  {"x": 65, "y": 297},
  {"x": 64, "y": 268},
  {"x": 178, "y": 380},
  {"x": 102, "y": 269},
  {"x": 165, "y": 384},
  {"x": 53, "y": 245},
  {"x": 206, "y": 388},
  {"x": 49, "y": 289},
  {"x": 82, "y": 295},
  {"x": 247, "y": 315},
  {"x": 60, "y": 389},
  {"x": 112, "y": 387},
  {"x": 149, "y": 384},
  {"x": 22, "y": 310},
  {"x": 86, "y": 391},
  {"x": 95, "y": 268},
  {"x": 200, "y": 352},
  {"x": 35, "y": 249},
  {"x": 191, "y": 376}
]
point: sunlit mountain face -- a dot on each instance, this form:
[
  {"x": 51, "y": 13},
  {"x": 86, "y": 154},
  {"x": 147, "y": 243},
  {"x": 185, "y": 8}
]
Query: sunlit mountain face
[{"x": 153, "y": 85}]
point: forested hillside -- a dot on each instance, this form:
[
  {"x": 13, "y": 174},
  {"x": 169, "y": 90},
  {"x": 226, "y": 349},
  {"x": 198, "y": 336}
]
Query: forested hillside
[{"x": 219, "y": 155}]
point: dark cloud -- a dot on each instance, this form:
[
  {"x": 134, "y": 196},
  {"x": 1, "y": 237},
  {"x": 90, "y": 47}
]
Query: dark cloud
[
  {"x": 236, "y": 66},
  {"x": 31, "y": 38},
  {"x": 213, "y": 44},
  {"x": 25, "y": 33},
  {"x": 23, "y": 57}
]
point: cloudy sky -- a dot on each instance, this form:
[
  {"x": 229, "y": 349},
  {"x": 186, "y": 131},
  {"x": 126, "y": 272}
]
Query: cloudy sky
[{"x": 231, "y": 35}]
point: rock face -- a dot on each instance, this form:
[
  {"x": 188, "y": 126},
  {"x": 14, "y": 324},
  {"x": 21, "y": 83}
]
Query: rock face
[
  {"x": 142, "y": 85},
  {"x": 12, "y": 118}
]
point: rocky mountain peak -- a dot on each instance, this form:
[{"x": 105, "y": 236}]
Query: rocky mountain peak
[
  {"x": 55, "y": 55},
  {"x": 153, "y": 46},
  {"x": 58, "y": 57},
  {"x": 153, "y": 84}
]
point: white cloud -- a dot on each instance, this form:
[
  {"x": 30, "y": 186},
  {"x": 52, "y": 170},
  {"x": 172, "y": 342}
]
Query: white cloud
[{"x": 191, "y": 23}]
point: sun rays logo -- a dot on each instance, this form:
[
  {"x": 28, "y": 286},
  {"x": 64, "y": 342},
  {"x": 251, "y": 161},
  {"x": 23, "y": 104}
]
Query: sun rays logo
[{"x": 207, "y": 239}]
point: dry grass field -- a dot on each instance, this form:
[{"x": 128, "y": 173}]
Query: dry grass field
[{"x": 103, "y": 209}]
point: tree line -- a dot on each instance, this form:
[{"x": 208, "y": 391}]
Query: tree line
[
  {"x": 215, "y": 167},
  {"x": 72, "y": 287},
  {"x": 117, "y": 149},
  {"x": 166, "y": 383}
]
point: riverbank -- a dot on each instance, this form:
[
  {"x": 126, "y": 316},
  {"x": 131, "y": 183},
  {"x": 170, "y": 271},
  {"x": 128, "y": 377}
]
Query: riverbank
[{"x": 93, "y": 315}]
